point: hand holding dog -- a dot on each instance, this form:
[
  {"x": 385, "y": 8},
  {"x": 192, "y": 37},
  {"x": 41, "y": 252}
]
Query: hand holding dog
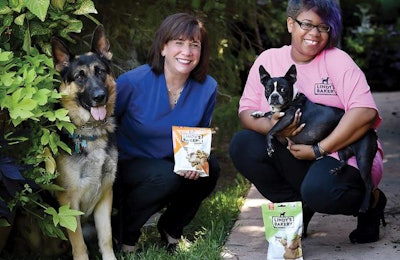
[
  {"x": 301, "y": 151},
  {"x": 293, "y": 129}
]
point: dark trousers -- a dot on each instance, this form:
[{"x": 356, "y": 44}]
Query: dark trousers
[
  {"x": 283, "y": 178},
  {"x": 145, "y": 186}
]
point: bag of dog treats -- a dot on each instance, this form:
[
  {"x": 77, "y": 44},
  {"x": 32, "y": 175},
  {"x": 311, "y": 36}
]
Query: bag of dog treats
[
  {"x": 192, "y": 147},
  {"x": 283, "y": 224}
]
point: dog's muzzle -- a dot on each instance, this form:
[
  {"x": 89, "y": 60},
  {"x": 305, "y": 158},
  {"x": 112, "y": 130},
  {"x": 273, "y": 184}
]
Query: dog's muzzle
[{"x": 275, "y": 99}]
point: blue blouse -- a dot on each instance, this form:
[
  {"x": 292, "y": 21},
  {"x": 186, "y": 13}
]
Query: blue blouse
[{"x": 145, "y": 118}]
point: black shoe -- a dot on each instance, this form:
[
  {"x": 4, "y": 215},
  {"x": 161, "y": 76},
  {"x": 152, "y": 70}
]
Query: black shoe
[
  {"x": 170, "y": 247},
  {"x": 367, "y": 230},
  {"x": 307, "y": 215}
]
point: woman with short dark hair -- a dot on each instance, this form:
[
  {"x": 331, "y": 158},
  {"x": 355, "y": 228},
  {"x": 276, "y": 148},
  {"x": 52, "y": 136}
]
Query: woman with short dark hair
[
  {"x": 173, "y": 89},
  {"x": 298, "y": 172}
]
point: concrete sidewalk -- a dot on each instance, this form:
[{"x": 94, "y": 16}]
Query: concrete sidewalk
[{"x": 328, "y": 234}]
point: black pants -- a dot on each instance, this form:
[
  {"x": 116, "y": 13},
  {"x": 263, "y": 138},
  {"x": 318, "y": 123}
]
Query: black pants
[
  {"x": 283, "y": 178},
  {"x": 145, "y": 186}
]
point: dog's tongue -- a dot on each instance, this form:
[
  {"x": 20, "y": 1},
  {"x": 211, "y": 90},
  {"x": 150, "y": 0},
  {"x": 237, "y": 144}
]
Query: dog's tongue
[{"x": 98, "y": 113}]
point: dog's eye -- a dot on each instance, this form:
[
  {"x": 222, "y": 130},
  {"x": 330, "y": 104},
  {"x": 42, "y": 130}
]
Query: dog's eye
[
  {"x": 80, "y": 76},
  {"x": 99, "y": 71}
]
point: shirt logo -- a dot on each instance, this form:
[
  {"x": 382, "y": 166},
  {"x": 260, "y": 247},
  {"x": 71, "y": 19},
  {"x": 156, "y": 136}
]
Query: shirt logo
[{"x": 325, "y": 88}]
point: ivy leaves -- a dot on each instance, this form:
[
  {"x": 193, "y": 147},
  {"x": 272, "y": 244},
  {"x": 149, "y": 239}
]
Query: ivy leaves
[{"x": 66, "y": 217}]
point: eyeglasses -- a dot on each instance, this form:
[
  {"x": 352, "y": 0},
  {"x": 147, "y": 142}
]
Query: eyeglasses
[{"x": 309, "y": 26}]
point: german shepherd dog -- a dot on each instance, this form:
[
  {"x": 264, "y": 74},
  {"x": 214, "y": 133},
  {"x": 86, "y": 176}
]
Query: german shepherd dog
[{"x": 87, "y": 175}]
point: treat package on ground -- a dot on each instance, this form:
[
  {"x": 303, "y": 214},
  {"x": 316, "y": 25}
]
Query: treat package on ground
[
  {"x": 283, "y": 224},
  {"x": 192, "y": 146}
]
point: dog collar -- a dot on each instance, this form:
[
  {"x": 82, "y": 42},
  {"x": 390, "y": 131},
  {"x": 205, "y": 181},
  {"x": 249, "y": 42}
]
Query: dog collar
[{"x": 80, "y": 141}]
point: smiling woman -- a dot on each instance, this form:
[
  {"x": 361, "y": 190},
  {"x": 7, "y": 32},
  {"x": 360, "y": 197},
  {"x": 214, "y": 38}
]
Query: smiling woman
[
  {"x": 173, "y": 89},
  {"x": 314, "y": 26},
  {"x": 180, "y": 58}
]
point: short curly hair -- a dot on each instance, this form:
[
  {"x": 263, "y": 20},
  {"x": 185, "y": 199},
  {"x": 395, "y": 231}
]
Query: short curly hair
[{"x": 328, "y": 10}]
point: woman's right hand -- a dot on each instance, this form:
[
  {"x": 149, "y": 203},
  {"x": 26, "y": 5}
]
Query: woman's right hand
[{"x": 291, "y": 130}]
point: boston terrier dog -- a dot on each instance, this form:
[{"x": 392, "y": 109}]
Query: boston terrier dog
[{"x": 320, "y": 120}]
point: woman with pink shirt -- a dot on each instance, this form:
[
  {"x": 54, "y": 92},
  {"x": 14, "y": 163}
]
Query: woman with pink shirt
[{"x": 326, "y": 75}]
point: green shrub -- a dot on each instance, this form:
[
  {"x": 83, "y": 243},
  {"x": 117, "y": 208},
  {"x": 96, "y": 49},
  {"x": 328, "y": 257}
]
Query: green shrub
[{"x": 30, "y": 115}]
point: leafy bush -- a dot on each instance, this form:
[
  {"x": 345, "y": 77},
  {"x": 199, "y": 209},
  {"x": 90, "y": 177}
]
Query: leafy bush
[
  {"x": 373, "y": 42},
  {"x": 30, "y": 115}
]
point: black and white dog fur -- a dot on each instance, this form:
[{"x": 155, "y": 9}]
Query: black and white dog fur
[{"x": 320, "y": 120}]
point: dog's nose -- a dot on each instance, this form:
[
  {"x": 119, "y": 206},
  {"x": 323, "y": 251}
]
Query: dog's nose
[
  {"x": 99, "y": 95},
  {"x": 274, "y": 98}
]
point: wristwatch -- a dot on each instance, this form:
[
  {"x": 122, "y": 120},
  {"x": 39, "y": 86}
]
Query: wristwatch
[{"x": 317, "y": 152}]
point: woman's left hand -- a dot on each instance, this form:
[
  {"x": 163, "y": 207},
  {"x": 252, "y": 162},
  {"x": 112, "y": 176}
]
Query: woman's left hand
[
  {"x": 191, "y": 175},
  {"x": 301, "y": 151}
]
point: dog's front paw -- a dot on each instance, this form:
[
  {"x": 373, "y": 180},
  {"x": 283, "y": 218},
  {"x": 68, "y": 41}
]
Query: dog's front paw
[{"x": 258, "y": 114}]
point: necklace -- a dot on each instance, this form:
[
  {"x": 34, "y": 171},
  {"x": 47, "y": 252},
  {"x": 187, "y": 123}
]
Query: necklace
[{"x": 174, "y": 96}]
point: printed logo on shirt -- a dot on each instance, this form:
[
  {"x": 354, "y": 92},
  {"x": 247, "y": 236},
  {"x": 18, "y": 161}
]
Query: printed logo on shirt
[{"x": 324, "y": 88}]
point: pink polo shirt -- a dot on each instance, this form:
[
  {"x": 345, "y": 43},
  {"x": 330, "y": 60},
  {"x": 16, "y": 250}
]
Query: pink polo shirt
[{"x": 332, "y": 78}]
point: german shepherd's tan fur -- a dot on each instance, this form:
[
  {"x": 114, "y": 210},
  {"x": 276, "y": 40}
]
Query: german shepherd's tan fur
[{"x": 87, "y": 175}]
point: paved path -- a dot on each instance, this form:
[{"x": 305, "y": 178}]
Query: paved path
[{"x": 328, "y": 234}]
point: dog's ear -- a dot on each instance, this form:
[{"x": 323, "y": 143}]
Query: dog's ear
[
  {"x": 291, "y": 74},
  {"x": 264, "y": 75},
  {"x": 61, "y": 54},
  {"x": 100, "y": 43}
]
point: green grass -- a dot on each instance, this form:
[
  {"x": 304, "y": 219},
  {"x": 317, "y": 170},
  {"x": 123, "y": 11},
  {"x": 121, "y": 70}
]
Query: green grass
[{"x": 205, "y": 236}]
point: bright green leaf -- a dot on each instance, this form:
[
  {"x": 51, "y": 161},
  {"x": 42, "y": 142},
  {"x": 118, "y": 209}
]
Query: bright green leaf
[
  {"x": 6, "y": 55},
  {"x": 87, "y": 7},
  {"x": 44, "y": 140},
  {"x": 62, "y": 114},
  {"x": 38, "y": 8},
  {"x": 66, "y": 211},
  {"x": 51, "y": 211},
  {"x": 16, "y": 5},
  {"x": 30, "y": 75},
  {"x": 68, "y": 222},
  {"x": 74, "y": 26},
  {"x": 41, "y": 96},
  {"x": 50, "y": 116},
  {"x": 68, "y": 217},
  {"x": 19, "y": 20},
  {"x": 67, "y": 126},
  {"x": 4, "y": 9},
  {"x": 38, "y": 29},
  {"x": 65, "y": 147},
  {"x": 27, "y": 104},
  {"x": 7, "y": 79}
]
